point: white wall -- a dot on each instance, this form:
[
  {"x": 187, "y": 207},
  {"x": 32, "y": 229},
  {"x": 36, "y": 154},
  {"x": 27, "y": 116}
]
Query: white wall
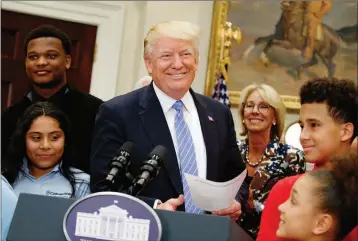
[
  {"x": 132, "y": 39},
  {"x": 140, "y": 16}
]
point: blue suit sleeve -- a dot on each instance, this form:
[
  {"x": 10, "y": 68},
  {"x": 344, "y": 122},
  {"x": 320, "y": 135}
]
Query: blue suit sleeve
[{"x": 108, "y": 137}]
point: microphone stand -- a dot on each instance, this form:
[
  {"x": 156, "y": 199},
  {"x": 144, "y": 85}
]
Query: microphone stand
[
  {"x": 113, "y": 186},
  {"x": 128, "y": 178},
  {"x": 135, "y": 189}
]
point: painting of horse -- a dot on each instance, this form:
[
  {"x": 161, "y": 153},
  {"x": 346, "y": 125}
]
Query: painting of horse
[
  {"x": 265, "y": 56},
  {"x": 326, "y": 47}
]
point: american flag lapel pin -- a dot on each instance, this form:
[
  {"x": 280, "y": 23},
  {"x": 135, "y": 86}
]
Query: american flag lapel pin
[{"x": 210, "y": 118}]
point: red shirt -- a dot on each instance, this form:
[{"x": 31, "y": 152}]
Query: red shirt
[
  {"x": 353, "y": 235},
  {"x": 270, "y": 218}
]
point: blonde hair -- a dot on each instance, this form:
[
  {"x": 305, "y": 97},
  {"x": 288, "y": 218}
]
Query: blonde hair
[
  {"x": 272, "y": 98},
  {"x": 172, "y": 29}
]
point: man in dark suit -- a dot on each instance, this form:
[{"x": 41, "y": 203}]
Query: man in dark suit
[
  {"x": 160, "y": 113},
  {"x": 47, "y": 50}
]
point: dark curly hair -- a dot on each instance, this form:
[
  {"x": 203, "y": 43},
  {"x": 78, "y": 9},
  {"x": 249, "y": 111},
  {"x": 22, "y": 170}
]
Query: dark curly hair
[
  {"x": 340, "y": 95},
  {"x": 13, "y": 161},
  {"x": 337, "y": 192},
  {"x": 48, "y": 31}
]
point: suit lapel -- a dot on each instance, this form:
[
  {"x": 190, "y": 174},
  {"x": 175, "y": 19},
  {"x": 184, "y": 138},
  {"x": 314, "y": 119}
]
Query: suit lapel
[
  {"x": 156, "y": 126},
  {"x": 210, "y": 134}
]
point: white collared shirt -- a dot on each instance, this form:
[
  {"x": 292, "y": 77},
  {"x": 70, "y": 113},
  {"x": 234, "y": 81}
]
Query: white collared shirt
[{"x": 192, "y": 120}]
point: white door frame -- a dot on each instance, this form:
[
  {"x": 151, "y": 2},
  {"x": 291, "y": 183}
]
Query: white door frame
[{"x": 108, "y": 16}]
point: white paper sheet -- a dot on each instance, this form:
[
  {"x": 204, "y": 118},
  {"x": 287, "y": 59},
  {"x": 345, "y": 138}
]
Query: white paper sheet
[{"x": 213, "y": 196}]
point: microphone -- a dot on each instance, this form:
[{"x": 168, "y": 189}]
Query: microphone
[
  {"x": 120, "y": 163},
  {"x": 148, "y": 170}
]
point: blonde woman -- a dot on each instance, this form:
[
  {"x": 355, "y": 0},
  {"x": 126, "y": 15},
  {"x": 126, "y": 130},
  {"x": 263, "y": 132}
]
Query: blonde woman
[{"x": 267, "y": 160}]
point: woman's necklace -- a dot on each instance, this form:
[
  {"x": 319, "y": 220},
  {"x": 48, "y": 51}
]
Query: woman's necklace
[{"x": 248, "y": 161}]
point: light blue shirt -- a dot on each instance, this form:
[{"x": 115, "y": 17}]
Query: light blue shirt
[
  {"x": 8, "y": 204},
  {"x": 52, "y": 183}
]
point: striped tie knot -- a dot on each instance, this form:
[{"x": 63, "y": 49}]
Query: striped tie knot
[{"x": 178, "y": 105}]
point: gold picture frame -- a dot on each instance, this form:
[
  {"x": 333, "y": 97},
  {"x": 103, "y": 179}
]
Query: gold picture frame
[
  {"x": 219, "y": 19},
  {"x": 215, "y": 61}
]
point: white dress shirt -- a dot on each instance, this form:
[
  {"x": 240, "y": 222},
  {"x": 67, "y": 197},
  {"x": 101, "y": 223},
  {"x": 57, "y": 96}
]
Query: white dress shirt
[{"x": 192, "y": 120}]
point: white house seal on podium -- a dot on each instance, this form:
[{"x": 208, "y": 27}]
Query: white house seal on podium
[{"x": 111, "y": 216}]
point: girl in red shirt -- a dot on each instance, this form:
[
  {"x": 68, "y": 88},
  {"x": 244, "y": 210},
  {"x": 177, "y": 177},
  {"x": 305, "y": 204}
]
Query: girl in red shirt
[{"x": 322, "y": 204}]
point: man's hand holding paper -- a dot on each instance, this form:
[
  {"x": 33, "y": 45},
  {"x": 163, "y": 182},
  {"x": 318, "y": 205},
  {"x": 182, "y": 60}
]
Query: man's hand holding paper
[
  {"x": 217, "y": 197},
  {"x": 234, "y": 211}
]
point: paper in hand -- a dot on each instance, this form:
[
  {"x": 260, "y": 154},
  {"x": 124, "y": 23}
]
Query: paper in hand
[{"x": 213, "y": 196}]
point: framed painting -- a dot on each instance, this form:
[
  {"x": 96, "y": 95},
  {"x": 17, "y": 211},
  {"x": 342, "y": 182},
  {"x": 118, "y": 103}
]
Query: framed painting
[{"x": 282, "y": 44}]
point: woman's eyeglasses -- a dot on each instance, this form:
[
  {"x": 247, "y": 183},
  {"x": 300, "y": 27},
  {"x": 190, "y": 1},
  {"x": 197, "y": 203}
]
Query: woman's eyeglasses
[{"x": 262, "y": 107}]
